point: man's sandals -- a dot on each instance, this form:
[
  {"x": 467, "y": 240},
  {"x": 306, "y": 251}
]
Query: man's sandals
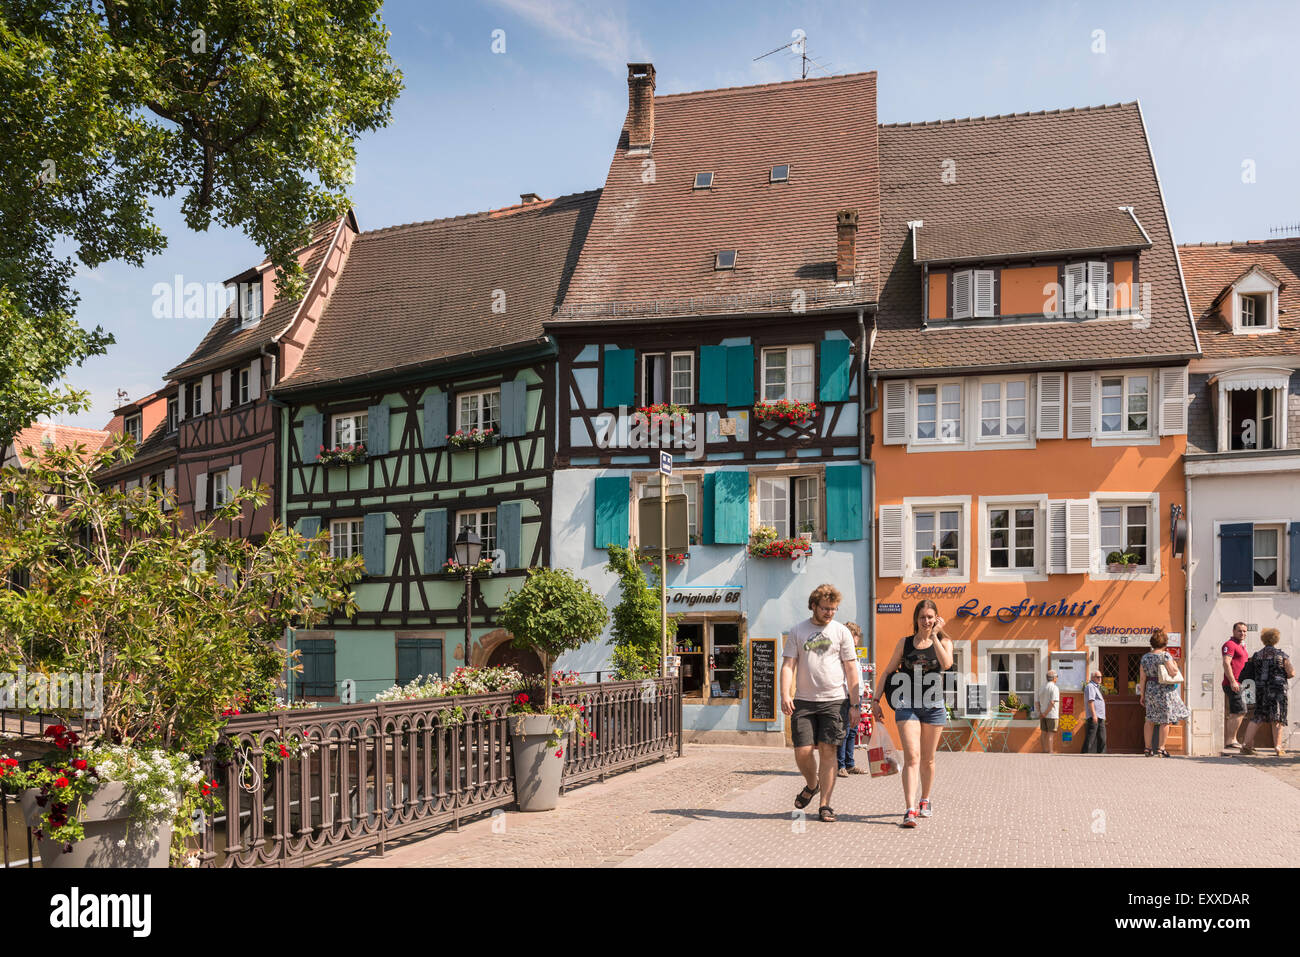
[
  {"x": 824, "y": 813},
  {"x": 801, "y": 800}
]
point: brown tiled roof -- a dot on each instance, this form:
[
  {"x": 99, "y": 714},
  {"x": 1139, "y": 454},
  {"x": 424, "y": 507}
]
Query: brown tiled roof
[
  {"x": 958, "y": 237},
  {"x": 1069, "y": 162},
  {"x": 410, "y": 295},
  {"x": 225, "y": 341},
  {"x": 157, "y": 445},
  {"x": 60, "y": 436},
  {"x": 1210, "y": 268},
  {"x": 652, "y": 245}
]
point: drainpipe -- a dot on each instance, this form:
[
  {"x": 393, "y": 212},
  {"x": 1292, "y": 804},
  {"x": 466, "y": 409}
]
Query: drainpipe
[
  {"x": 1187, "y": 611},
  {"x": 870, "y": 523},
  {"x": 281, "y": 477}
]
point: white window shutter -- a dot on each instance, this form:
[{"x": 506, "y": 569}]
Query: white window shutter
[
  {"x": 1076, "y": 289},
  {"x": 201, "y": 493},
  {"x": 961, "y": 295},
  {"x": 891, "y": 541},
  {"x": 1078, "y": 536},
  {"x": 169, "y": 485},
  {"x": 233, "y": 478},
  {"x": 1057, "y": 538},
  {"x": 206, "y": 397},
  {"x": 255, "y": 379},
  {"x": 984, "y": 292},
  {"x": 1173, "y": 401},
  {"x": 1051, "y": 405},
  {"x": 1080, "y": 405},
  {"x": 225, "y": 390},
  {"x": 1097, "y": 287},
  {"x": 182, "y": 403},
  {"x": 896, "y": 432}
]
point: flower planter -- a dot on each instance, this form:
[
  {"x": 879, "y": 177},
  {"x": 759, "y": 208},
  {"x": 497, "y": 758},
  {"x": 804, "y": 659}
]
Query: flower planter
[
  {"x": 806, "y": 536},
  {"x": 538, "y": 767},
  {"x": 106, "y": 817},
  {"x": 935, "y": 571},
  {"x": 1121, "y": 569}
]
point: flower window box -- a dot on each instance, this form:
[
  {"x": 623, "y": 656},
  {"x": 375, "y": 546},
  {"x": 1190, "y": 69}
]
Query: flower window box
[
  {"x": 763, "y": 543},
  {"x": 472, "y": 439},
  {"x": 343, "y": 455},
  {"x": 453, "y": 567},
  {"x": 941, "y": 565},
  {"x": 787, "y": 411}
]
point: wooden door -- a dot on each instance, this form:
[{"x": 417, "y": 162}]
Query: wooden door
[{"x": 1121, "y": 669}]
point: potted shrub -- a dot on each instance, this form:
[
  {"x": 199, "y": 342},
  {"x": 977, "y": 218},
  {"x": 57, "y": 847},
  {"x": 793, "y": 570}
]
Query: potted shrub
[
  {"x": 807, "y": 530},
  {"x": 553, "y": 612},
  {"x": 1122, "y": 561},
  {"x": 635, "y": 623},
  {"x": 1012, "y": 706},
  {"x": 936, "y": 564}
]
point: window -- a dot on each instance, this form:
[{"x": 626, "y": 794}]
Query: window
[
  {"x": 788, "y": 374},
  {"x": 726, "y": 259},
  {"x": 703, "y": 181},
  {"x": 938, "y": 534},
  {"x": 1267, "y": 556},
  {"x": 683, "y": 381},
  {"x": 1256, "y": 311},
  {"x": 243, "y": 385},
  {"x": 1086, "y": 289},
  {"x": 345, "y": 537},
  {"x": 790, "y": 504},
  {"x": 780, "y": 174},
  {"x": 938, "y": 412},
  {"x": 196, "y": 399},
  {"x": 1004, "y": 409},
  {"x": 250, "y": 301},
  {"x": 1252, "y": 419},
  {"x": 479, "y": 410},
  {"x": 1253, "y": 557},
  {"x": 972, "y": 293},
  {"x": 1124, "y": 529},
  {"x": 659, "y": 385},
  {"x": 133, "y": 428},
  {"x": 173, "y": 414},
  {"x": 1012, "y": 671},
  {"x": 951, "y": 686},
  {"x": 699, "y": 638},
  {"x": 691, "y": 488},
  {"x": 350, "y": 429},
  {"x": 484, "y": 524},
  {"x": 220, "y": 489},
  {"x": 1012, "y": 537},
  {"x": 1125, "y": 405}
]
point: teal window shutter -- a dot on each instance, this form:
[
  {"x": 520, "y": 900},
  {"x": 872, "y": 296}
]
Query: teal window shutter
[
  {"x": 1237, "y": 557},
  {"x": 317, "y": 657},
  {"x": 843, "y": 503},
  {"x": 312, "y": 430},
  {"x": 374, "y": 543},
  {"x": 510, "y": 533},
  {"x": 435, "y": 420},
  {"x": 377, "y": 430},
  {"x": 514, "y": 408},
  {"x": 435, "y": 540},
  {"x": 620, "y": 378},
  {"x": 706, "y": 508},
  {"x": 308, "y": 527},
  {"x": 833, "y": 384},
  {"x": 731, "y": 507},
  {"x": 612, "y": 496},
  {"x": 740, "y": 377},
  {"x": 1293, "y": 565},
  {"x": 713, "y": 375},
  {"x": 418, "y": 657}
]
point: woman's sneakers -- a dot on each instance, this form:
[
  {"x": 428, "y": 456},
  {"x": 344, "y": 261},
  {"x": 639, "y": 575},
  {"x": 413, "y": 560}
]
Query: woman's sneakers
[
  {"x": 926, "y": 810},
  {"x": 909, "y": 818}
]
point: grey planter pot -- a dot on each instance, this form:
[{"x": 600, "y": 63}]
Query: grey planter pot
[
  {"x": 537, "y": 770},
  {"x": 106, "y": 817}
]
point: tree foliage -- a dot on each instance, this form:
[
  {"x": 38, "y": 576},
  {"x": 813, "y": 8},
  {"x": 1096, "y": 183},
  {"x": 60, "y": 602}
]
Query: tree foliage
[{"x": 635, "y": 632}]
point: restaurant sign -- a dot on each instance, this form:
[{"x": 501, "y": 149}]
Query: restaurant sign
[
  {"x": 1026, "y": 609},
  {"x": 704, "y": 598}
]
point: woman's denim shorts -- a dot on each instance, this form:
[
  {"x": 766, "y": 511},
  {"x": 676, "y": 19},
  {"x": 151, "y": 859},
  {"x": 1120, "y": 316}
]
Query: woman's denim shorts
[{"x": 923, "y": 715}]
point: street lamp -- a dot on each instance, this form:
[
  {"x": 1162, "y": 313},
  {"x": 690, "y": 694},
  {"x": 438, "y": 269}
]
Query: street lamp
[{"x": 468, "y": 548}]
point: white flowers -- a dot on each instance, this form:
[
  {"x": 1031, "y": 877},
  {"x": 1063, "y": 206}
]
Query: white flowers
[{"x": 122, "y": 843}]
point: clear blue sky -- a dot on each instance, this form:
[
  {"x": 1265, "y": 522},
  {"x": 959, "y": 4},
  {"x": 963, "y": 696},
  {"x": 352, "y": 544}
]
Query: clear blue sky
[{"x": 474, "y": 129}]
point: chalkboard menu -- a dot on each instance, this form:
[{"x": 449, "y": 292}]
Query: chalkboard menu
[
  {"x": 977, "y": 699},
  {"x": 762, "y": 679}
]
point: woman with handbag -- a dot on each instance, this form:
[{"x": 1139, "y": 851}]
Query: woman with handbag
[{"x": 1159, "y": 692}]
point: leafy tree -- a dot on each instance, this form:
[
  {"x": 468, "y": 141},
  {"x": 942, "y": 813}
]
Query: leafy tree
[
  {"x": 553, "y": 612},
  {"x": 638, "y": 649},
  {"x": 247, "y": 108}
]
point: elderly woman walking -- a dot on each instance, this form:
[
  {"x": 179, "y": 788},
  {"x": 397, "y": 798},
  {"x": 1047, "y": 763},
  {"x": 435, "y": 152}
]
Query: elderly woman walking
[
  {"x": 1273, "y": 669},
  {"x": 1164, "y": 705}
]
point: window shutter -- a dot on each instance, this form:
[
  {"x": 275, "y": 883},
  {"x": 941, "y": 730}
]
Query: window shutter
[
  {"x": 713, "y": 375},
  {"x": 374, "y": 541},
  {"x": 510, "y": 533},
  {"x": 182, "y": 401},
  {"x": 255, "y": 378},
  {"x": 435, "y": 540},
  {"x": 1097, "y": 300},
  {"x": 891, "y": 541},
  {"x": 206, "y": 397},
  {"x": 843, "y": 502},
  {"x": 225, "y": 390},
  {"x": 833, "y": 385},
  {"x": 1080, "y": 405},
  {"x": 895, "y": 398},
  {"x": 620, "y": 378},
  {"x": 514, "y": 408},
  {"x": 435, "y": 420},
  {"x": 961, "y": 295},
  {"x": 1051, "y": 405},
  {"x": 309, "y": 527},
  {"x": 984, "y": 292},
  {"x": 707, "y": 485},
  {"x": 1237, "y": 557},
  {"x": 1078, "y": 515},
  {"x": 1293, "y": 558},
  {"x": 201, "y": 493},
  {"x": 731, "y": 507},
  {"x": 377, "y": 430},
  {"x": 1173, "y": 401},
  {"x": 317, "y": 656},
  {"x": 312, "y": 427},
  {"x": 740, "y": 377},
  {"x": 1076, "y": 289},
  {"x": 169, "y": 485},
  {"x": 613, "y": 493},
  {"x": 1057, "y": 541},
  {"x": 234, "y": 478}
]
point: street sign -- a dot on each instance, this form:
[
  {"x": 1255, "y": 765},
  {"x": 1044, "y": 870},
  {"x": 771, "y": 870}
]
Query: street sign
[{"x": 666, "y": 463}]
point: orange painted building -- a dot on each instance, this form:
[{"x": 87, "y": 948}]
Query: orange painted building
[{"x": 1030, "y": 416}]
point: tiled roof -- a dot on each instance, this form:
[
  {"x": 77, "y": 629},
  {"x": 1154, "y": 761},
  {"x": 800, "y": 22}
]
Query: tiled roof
[
  {"x": 958, "y": 237},
  {"x": 158, "y": 444},
  {"x": 411, "y": 295},
  {"x": 225, "y": 341},
  {"x": 59, "y": 436},
  {"x": 652, "y": 245},
  {"x": 1210, "y": 268},
  {"x": 1072, "y": 162}
]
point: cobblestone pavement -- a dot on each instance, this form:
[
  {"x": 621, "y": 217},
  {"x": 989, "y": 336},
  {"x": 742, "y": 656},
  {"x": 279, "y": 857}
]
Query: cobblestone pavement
[{"x": 720, "y": 806}]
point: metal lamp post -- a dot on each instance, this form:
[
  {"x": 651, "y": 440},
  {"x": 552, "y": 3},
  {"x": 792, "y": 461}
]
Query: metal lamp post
[{"x": 468, "y": 548}]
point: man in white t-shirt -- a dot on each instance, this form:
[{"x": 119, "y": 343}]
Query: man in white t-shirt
[
  {"x": 825, "y": 700},
  {"x": 1049, "y": 712}
]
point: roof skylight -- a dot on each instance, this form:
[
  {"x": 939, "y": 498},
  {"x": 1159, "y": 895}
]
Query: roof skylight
[
  {"x": 726, "y": 259},
  {"x": 704, "y": 180}
]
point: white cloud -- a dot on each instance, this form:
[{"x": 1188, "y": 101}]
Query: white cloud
[{"x": 594, "y": 30}]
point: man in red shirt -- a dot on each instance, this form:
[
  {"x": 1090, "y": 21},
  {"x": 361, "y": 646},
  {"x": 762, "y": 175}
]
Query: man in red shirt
[{"x": 1234, "y": 659}]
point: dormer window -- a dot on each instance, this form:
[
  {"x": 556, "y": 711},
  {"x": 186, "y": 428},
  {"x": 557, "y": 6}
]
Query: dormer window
[
  {"x": 1251, "y": 409},
  {"x": 250, "y": 302},
  {"x": 704, "y": 180},
  {"x": 134, "y": 428},
  {"x": 173, "y": 414},
  {"x": 726, "y": 259},
  {"x": 780, "y": 174},
  {"x": 1252, "y": 303},
  {"x": 972, "y": 294}
]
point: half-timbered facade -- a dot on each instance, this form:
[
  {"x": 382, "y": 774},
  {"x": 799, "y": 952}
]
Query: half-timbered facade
[
  {"x": 151, "y": 424},
  {"x": 435, "y": 329}
]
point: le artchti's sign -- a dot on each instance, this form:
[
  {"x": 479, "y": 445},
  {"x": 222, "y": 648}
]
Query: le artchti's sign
[{"x": 1027, "y": 609}]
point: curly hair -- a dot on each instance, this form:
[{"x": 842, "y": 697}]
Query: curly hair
[
  {"x": 1270, "y": 636},
  {"x": 1158, "y": 638},
  {"x": 824, "y": 593}
]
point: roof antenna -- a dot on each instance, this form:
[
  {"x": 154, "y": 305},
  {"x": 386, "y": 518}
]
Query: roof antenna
[
  {"x": 799, "y": 45},
  {"x": 1293, "y": 228}
]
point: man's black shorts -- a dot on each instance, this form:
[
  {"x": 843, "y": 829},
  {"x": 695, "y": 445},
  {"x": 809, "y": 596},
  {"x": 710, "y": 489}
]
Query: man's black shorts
[
  {"x": 1232, "y": 701},
  {"x": 819, "y": 722}
]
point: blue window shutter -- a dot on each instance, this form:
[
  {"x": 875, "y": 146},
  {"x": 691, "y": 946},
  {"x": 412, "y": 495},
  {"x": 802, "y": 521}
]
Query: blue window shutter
[
  {"x": 843, "y": 502},
  {"x": 612, "y": 495},
  {"x": 706, "y": 508},
  {"x": 377, "y": 430},
  {"x": 1293, "y": 560},
  {"x": 514, "y": 408},
  {"x": 417, "y": 657},
  {"x": 713, "y": 375},
  {"x": 510, "y": 533},
  {"x": 834, "y": 378},
  {"x": 731, "y": 507},
  {"x": 1237, "y": 557},
  {"x": 435, "y": 540},
  {"x": 435, "y": 420},
  {"x": 312, "y": 431},
  {"x": 740, "y": 377},
  {"x": 374, "y": 543},
  {"x": 317, "y": 657},
  {"x": 308, "y": 527},
  {"x": 620, "y": 378}
]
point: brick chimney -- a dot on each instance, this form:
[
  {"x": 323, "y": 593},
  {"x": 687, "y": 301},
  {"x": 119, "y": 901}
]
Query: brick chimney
[
  {"x": 846, "y": 244},
  {"x": 528, "y": 198},
  {"x": 640, "y": 105}
]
